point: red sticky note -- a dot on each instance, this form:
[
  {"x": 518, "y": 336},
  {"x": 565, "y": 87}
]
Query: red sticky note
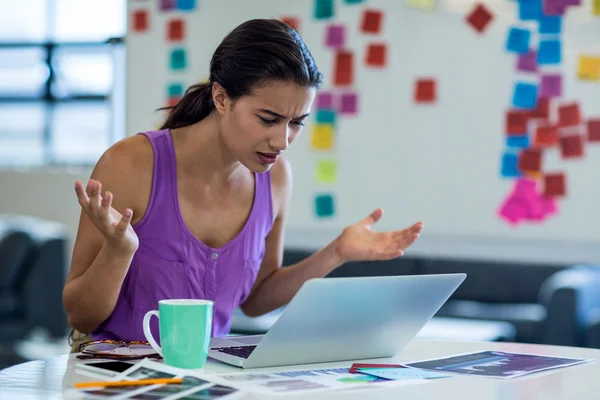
[
  {"x": 371, "y": 21},
  {"x": 479, "y": 17},
  {"x": 554, "y": 185},
  {"x": 571, "y": 146},
  {"x": 344, "y": 68},
  {"x": 376, "y": 55},
  {"x": 593, "y": 130},
  {"x": 292, "y": 22},
  {"x": 176, "y": 30},
  {"x": 542, "y": 109},
  {"x": 516, "y": 122},
  {"x": 545, "y": 135},
  {"x": 173, "y": 101},
  {"x": 425, "y": 90},
  {"x": 140, "y": 20},
  {"x": 354, "y": 368},
  {"x": 530, "y": 160},
  {"x": 569, "y": 115}
]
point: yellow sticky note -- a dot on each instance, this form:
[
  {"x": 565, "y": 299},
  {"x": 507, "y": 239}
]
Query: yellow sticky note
[
  {"x": 596, "y": 7},
  {"x": 326, "y": 171},
  {"x": 427, "y": 5},
  {"x": 322, "y": 137},
  {"x": 589, "y": 68}
]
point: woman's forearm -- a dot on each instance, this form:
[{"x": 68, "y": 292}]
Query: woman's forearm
[{"x": 282, "y": 285}]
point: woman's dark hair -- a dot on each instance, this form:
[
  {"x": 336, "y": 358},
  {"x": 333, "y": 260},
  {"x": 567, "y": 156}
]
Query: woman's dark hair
[{"x": 256, "y": 52}]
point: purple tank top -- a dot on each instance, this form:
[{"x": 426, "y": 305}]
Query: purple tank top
[{"x": 171, "y": 263}]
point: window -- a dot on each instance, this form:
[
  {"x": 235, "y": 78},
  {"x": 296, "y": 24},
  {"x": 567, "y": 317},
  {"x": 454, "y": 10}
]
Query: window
[{"x": 61, "y": 80}]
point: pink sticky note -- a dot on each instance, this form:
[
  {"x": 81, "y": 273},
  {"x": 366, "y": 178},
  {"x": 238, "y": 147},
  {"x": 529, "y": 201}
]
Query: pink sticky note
[
  {"x": 349, "y": 103},
  {"x": 166, "y": 5},
  {"x": 535, "y": 209},
  {"x": 551, "y": 85},
  {"x": 554, "y": 7},
  {"x": 513, "y": 211},
  {"x": 325, "y": 101},
  {"x": 550, "y": 205},
  {"x": 335, "y": 36},
  {"x": 527, "y": 62},
  {"x": 524, "y": 188}
]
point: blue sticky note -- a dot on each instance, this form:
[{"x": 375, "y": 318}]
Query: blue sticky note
[
  {"x": 326, "y": 117},
  {"x": 518, "y": 40},
  {"x": 324, "y": 206},
  {"x": 509, "y": 168},
  {"x": 178, "y": 59},
  {"x": 186, "y": 5},
  {"x": 354, "y": 1},
  {"x": 525, "y": 95},
  {"x": 550, "y": 25},
  {"x": 549, "y": 52},
  {"x": 175, "y": 90},
  {"x": 517, "y": 142},
  {"x": 530, "y": 10},
  {"x": 323, "y": 9}
]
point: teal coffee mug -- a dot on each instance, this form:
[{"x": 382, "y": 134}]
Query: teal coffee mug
[{"x": 184, "y": 327}]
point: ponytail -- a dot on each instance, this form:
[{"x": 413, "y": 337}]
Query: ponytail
[{"x": 195, "y": 105}]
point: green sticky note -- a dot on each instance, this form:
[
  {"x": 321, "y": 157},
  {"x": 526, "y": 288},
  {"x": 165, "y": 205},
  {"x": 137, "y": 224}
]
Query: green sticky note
[
  {"x": 326, "y": 171},
  {"x": 326, "y": 117},
  {"x": 323, "y": 9},
  {"x": 178, "y": 59},
  {"x": 175, "y": 90},
  {"x": 324, "y": 206}
]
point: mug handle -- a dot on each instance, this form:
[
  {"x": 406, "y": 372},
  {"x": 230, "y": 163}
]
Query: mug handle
[{"x": 148, "y": 333}]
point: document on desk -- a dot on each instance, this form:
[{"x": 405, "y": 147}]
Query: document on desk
[{"x": 496, "y": 364}]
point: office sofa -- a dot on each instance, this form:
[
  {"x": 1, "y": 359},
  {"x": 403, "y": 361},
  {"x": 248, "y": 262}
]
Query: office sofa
[{"x": 32, "y": 274}]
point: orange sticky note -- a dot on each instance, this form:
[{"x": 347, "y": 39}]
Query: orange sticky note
[
  {"x": 376, "y": 55},
  {"x": 371, "y": 21},
  {"x": 425, "y": 90},
  {"x": 344, "y": 68},
  {"x": 176, "y": 30},
  {"x": 173, "y": 101},
  {"x": 140, "y": 20},
  {"x": 292, "y": 22},
  {"x": 545, "y": 136}
]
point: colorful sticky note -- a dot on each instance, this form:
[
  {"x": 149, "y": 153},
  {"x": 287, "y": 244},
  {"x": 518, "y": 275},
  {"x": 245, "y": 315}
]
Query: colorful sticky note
[
  {"x": 371, "y": 21},
  {"x": 186, "y": 5},
  {"x": 322, "y": 137},
  {"x": 376, "y": 55},
  {"x": 479, "y": 17},
  {"x": 324, "y": 205},
  {"x": 425, "y": 5},
  {"x": 518, "y": 40},
  {"x": 326, "y": 171},
  {"x": 349, "y": 103},
  {"x": 517, "y": 142},
  {"x": 569, "y": 115},
  {"x": 524, "y": 188},
  {"x": 542, "y": 109},
  {"x": 166, "y": 5},
  {"x": 549, "y": 52},
  {"x": 530, "y": 10},
  {"x": 354, "y": 1},
  {"x": 325, "y": 101},
  {"x": 326, "y": 117},
  {"x": 140, "y": 20},
  {"x": 571, "y": 146},
  {"x": 335, "y": 37},
  {"x": 551, "y": 85},
  {"x": 292, "y": 22},
  {"x": 530, "y": 160},
  {"x": 172, "y": 102},
  {"x": 178, "y": 59},
  {"x": 527, "y": 62},
  {"x": 508, "y": 168},
  {"x": 516, "y": 122},
  {"x": 344, "y": 68},
  {"x": 524, "y": 95},
  {"x": 513, "y": 211},
  {"x": 589, "y": 68},
  {"x": 425, "y": 90},
  {"x": 323, "y": 9},
  {"x": 175, "y": 30},
  {"x": 554, "y": 7},
  {"x": 545, "y": 136},
  {"x": 175, "y": 90},
  {"x": 555, "y": 185},
  {"x": 593, "y": 130},
  {"x": 596, "y": 5},
  {"x": 550, "y": 24}
]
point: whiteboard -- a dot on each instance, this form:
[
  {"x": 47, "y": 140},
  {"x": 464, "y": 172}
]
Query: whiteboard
[{"x": 438, "y": 163}]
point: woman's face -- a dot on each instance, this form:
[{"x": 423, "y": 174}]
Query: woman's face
[{"x": 258, "y": 127}]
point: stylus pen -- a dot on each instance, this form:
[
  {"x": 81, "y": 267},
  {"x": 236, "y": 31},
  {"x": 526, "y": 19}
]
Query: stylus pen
[{"x": 128, "y": 383}]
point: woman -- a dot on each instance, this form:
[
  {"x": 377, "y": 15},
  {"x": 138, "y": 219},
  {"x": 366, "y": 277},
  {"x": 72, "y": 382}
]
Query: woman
[{"x": 197, "y": 209}]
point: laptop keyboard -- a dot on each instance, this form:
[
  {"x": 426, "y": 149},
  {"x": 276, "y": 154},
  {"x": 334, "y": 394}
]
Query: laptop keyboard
[{"x": 239, "y": 351}]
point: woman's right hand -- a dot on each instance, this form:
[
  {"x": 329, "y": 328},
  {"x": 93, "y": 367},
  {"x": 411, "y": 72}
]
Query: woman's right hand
[{"x": 115, "y": 227}]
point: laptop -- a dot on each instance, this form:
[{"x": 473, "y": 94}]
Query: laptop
[{"x": 340, "y": 319}]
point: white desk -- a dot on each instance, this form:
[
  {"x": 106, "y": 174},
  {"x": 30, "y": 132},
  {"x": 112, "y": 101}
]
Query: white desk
[{"x": 46, "y": 379}]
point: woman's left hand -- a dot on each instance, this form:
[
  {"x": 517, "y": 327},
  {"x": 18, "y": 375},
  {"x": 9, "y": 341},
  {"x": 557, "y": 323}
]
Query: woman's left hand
[{"x": 359, "y": 242}]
